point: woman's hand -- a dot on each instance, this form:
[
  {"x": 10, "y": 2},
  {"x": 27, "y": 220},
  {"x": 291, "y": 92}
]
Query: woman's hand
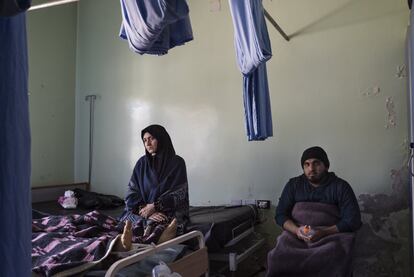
[
  {"x": 147, "y": 210},
  {"x": 158, "y": 217}
]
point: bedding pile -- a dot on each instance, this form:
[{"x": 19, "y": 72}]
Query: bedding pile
[
  {"x": 74, "y": 243},
  {"x": 71, "y": 244}
]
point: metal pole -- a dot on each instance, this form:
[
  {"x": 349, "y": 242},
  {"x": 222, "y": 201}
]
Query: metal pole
[
  {"x": 92, "y": 99},
  {"x": 51, "y": 4},
  {"x": 270, "y": 18}
]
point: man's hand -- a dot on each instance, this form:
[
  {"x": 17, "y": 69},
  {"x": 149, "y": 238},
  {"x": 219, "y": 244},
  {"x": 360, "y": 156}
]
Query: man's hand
[
  {"x": 147, "y": 211},
  {"x": 290, "y": 226},
  {"x": 305, "y": 232},
  {"x": 300, "y": 235},
  {"x": 313, "y": 234},
  {"x": 322, "y": 232},
  {"x": 317, "y": 236},
  {"x": 158, "y": 217}
]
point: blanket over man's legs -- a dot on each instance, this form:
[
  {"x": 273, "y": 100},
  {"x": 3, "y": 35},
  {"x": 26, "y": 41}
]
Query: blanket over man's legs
[{"x": 330, "y": 256}]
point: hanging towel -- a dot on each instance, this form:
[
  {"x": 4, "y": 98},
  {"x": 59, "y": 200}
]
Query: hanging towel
[
  {"x": 15, "y": 202},
  {"x": 252, "y": 51},
  {"x": 154, "y": 27}
]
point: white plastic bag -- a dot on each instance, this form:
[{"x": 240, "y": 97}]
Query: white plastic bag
[
  {"x": 68, "y": 201},
  {"x": 162, "y": 270}
]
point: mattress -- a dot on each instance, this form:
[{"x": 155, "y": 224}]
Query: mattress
[{"x": 221, "y": 224}]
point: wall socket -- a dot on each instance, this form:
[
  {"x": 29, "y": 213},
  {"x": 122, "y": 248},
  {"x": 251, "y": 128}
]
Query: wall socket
[
  {"x": 263, "y": 204},
  {"x": 248, "y": 202},
  {"x": 243, "y": 202},
  {"x": 236, "y": 202}
]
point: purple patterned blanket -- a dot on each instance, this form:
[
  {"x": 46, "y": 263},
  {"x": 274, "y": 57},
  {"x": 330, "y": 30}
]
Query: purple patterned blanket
[
  {"x": 329, "y": 256},
  {"x": 74, "y": 243},
  {"x": 71, "y": 244}
]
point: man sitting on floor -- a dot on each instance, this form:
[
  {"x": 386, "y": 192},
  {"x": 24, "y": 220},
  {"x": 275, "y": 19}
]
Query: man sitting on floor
[{"x": 319, "y": 214}]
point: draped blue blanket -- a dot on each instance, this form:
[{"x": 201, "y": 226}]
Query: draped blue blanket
[
  {"x": 15, "y": 209},
  {"x": 154, "y": 27},
  {"x": 252, "y": 51}
]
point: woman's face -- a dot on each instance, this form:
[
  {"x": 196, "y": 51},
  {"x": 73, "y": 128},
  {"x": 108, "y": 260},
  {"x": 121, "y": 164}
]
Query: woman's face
[{"x": 150, "y": 143}]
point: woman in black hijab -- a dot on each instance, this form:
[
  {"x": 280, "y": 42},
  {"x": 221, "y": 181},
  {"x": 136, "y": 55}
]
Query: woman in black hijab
[{"x": 158, "y": 189}]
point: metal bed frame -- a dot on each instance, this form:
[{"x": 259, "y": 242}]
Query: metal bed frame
[
  {"x": 193, "y": 264},
  {"x": 245, "y": 241},
  {"x": 239, "y": 248}
]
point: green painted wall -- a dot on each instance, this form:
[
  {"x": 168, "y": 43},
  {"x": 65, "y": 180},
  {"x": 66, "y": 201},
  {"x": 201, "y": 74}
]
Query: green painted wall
[
  {"x": 52, "y": 58},
  {"x": 329, "y": 86},
  {"x": 322, "y": 86}
]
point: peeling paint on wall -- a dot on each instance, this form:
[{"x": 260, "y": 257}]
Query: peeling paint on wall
[
  {"x": 391, "y": 117},
  {"x": 401, "y": 72},
  {"x": 371, "y": 91},
  {"x": 215, "y": 5},
  {"x": 383, "y": 242}
]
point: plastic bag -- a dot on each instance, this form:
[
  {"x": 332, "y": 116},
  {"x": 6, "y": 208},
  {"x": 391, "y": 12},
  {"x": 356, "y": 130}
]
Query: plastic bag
[
  {"x": 162, "y": 270},
  {"x": 68, "y": 201}
]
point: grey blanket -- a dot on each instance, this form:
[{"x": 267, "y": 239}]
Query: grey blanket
[{"x": 330, "y": 256}]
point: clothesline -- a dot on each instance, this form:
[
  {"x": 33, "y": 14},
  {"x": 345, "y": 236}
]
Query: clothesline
[{"x": 61, "y": 2}]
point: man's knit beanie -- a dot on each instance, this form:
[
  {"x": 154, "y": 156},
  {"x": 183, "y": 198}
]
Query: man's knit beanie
[{"x": 315, "y": 152}]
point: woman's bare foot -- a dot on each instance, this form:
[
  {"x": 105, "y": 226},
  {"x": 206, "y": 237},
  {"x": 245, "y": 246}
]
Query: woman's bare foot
[
  {"x": 170, "y": 232},
  {"x": 124, "y": 243}
]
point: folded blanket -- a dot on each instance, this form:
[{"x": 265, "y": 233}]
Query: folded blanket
[{"x": 330, "y": 256}]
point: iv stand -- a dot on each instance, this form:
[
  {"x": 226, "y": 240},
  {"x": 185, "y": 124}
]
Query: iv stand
[{"x": 91, "y": 99}]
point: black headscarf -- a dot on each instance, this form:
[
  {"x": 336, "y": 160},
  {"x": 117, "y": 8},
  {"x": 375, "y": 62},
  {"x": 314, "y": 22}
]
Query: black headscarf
[{"x": 165, "y": 149}]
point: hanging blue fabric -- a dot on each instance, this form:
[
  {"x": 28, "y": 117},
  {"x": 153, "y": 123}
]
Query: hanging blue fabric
[
  {"x": 13, "y": 7},
  {"x": 252, "y": 51},
  {"x": 154, "y": 27},
  {"x": 15, "y": 199}
]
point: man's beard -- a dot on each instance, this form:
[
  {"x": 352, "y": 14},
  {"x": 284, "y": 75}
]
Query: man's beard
[{"x": 316, "y": 179}]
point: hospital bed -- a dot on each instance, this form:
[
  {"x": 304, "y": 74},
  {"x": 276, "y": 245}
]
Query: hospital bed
[
  {"x": 229, "y": 235},
  {"x": 192, "y": 264}
]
